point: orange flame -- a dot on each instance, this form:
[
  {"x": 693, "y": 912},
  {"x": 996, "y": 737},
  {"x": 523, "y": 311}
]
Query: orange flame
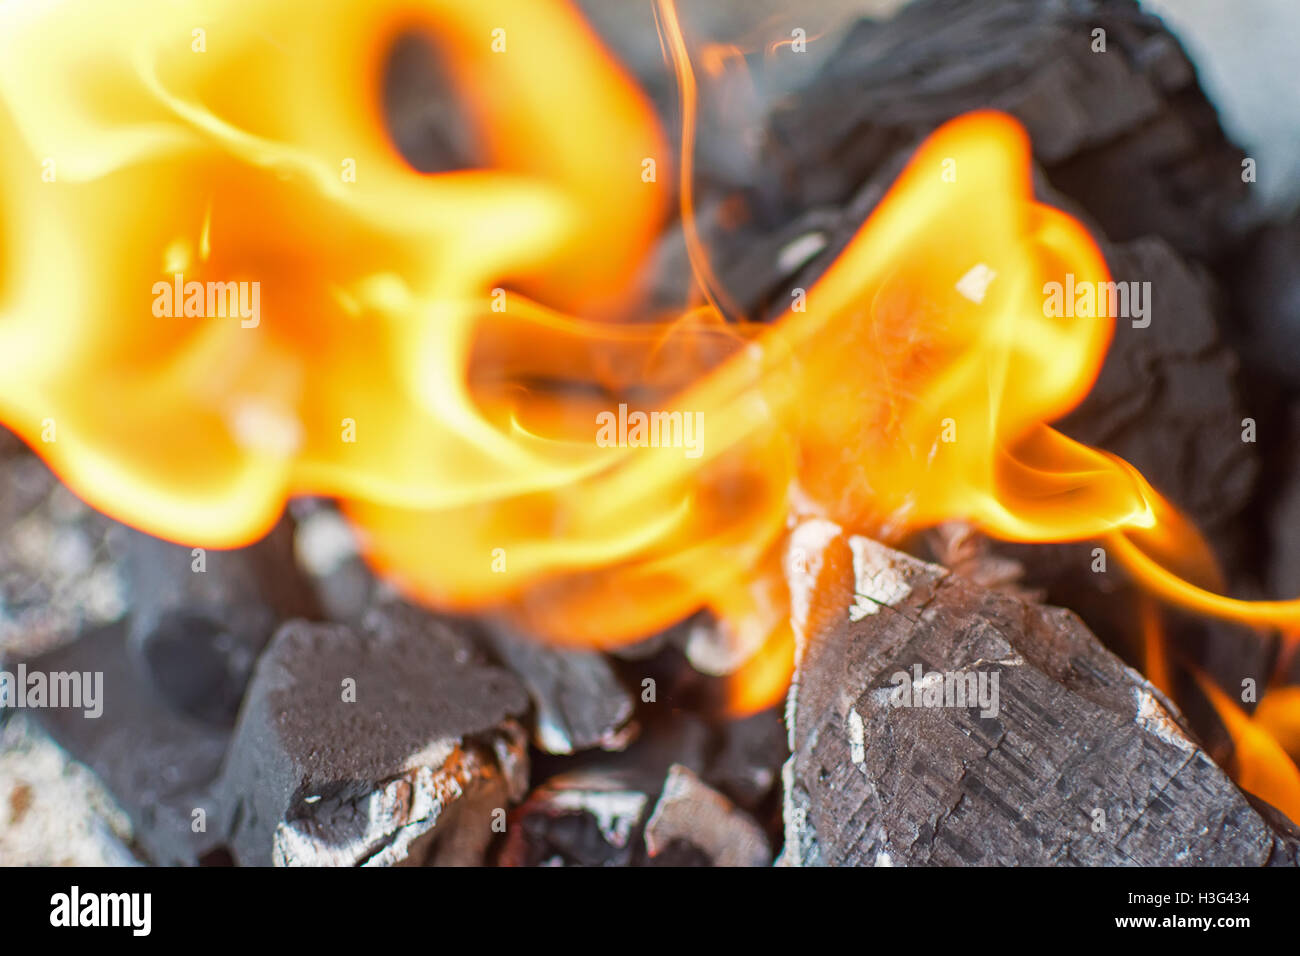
[
  {"x": 1266, "y": 744},
  {"x": 1261, "y": 765},
  {"x": 1155, "y": 660},
  {"x": 1278, "y": 714},
  {"x": 445, "y": 355}
]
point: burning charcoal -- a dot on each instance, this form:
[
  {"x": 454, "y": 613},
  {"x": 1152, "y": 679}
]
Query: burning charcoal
[
  {"x": 200, "y": 617},
  {"x": 590, "y": 813},
  {"x": 936, "y": 722},
  {"x": 964, "y": 551},
  {"x": 692, "y": 814},
  {"x": 1127, "y": 132},
  {"x": 759, "y": 262},
  {"x": 394, "y": 743},
  {"x": 158, "y": 764},
  {"x": 1168, "y": 401},
  {"x": 609, "y": 816},
  {"x": 579, "y": 702},
  {"x": 583, "y": 818}
]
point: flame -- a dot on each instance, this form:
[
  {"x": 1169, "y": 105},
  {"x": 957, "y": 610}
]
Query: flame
[
  {"x": 161, "y": 138},
  {"x": 453, "y": 356},
  {"x": 1155, "y": 658},
  {"x": 1261, "y": 765},
  {"x": 1278, "y": 714},
  {"x": 1266, "y": 744}
]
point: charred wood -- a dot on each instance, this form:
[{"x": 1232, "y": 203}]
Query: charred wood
[{"x": 1059, "y": 754}]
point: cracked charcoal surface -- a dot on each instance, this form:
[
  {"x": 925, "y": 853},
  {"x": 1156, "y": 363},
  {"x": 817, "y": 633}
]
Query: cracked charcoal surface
[{"x": 1076, "y": 732}]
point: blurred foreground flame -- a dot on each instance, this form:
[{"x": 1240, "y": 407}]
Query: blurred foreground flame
[{"x": 450, "y": 355}]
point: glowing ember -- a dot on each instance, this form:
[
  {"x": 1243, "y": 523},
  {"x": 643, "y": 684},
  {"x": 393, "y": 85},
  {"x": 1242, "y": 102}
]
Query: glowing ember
[{"x": 220, "y": 286}]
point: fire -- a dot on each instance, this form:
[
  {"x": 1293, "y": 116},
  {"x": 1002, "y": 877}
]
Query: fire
[
  {"x": 437, "y": 352},
  {"x": 1265, "y": 744},
  {"x": 163, "y": 143},
  {"x": 1261, "y": 765}
]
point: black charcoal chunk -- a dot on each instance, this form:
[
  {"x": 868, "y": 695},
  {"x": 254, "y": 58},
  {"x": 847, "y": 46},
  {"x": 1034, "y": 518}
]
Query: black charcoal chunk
[
  {"x": 200, "y": 617},
  {"x": 611, "y": 816},
  {"x": 1076, "y": 760},
  {"x": 578, "y": 700},
  {"x": 158, "y": 764},
  {"x": 1126, "y": 132},
  {"x": 1266, "y": 293},
  {"x": 748, "y": 761},
  {"x": 589, "y": 817},
  {"x": 1283, "y": 518},
  {"x": 390, "y": 743}
]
